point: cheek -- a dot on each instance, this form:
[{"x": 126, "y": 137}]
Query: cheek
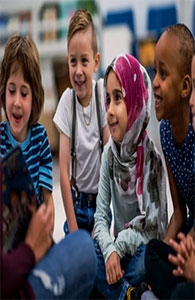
[{"x": 28, "y": 107}]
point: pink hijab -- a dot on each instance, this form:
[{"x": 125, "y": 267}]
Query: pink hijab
[{"x": 137, "y": 167}]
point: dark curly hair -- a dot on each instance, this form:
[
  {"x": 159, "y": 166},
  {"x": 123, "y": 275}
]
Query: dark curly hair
[{"x": 186, "y": 40}]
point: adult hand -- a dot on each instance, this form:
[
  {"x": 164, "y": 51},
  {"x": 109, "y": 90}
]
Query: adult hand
[
  {"x": 185, "y": 257},
  {"x": 38, "y": 235},
  {"x": 113, "y": 269}
]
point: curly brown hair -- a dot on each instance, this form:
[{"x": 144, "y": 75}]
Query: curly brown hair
[{"x": 22, "y": 52}]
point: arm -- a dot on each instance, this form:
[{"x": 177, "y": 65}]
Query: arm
[
  {"x": 15, "y": 267},
  {"x": 64, "y": 158},
  {"x": 48, "y": 199},
  {"x": 39, "y": 232},
  {"x": 102, "y": 226},
  {"x": 102, "y": 214},
  {"x": 179, "y": 214},
  {"x": 113, "y": 268},
  {"x": 17, "y": 264}
]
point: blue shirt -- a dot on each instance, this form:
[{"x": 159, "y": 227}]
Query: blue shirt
[
  {"x": 182, "y": 161},
  {"x": 37, "y": 154}
]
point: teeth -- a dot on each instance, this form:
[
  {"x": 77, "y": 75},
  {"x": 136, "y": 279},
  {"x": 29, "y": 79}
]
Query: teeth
[{"x": 158, "y": 101}]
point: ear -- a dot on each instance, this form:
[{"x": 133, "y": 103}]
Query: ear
[
  {"x": 186, "y": 88},
  {"x": 97, "y": 62}
]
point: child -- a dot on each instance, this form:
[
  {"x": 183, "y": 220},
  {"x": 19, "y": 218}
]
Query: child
[
  {"x": 35, "y": 269},
  {"x": 83, "y": 59},
  {"x": 22, "y": 98},
  {"x": 132, "y": 177},
  {"x": 172, "y": 90}
]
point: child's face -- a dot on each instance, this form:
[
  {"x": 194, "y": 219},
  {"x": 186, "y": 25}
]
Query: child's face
[
  {"x": 167, "y": 84},
  {"x": 116, "y": 108},
  {"x": 192, "y": 99},
  {"x": 18, "y": 104},
  {"x": 82, "y": 64}
]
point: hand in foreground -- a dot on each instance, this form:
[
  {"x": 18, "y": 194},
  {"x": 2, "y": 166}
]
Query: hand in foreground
[
  {"x": 38, "y": 235},
  {"x": 113, "y": 269},
  {"x": 185, "y": 257}
]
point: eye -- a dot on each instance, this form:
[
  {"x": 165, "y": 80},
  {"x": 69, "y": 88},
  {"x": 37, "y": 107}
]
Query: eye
[
  {"x": 11, "y": 91},
  {"x": 73, "y": 61},
  {"x": 163, "y": 74},
  {"x": 117, "y": 97},
  {"x": 84, "y": 60},
  {"x": 107, "y": 100},
  {"x": 24, "y": 94}
]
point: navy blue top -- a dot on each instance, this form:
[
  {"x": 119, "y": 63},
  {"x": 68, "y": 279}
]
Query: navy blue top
[{"x": 182, "y": 161}]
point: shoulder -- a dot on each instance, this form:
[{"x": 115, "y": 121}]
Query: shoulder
[
  {"x": 165, "y": 131},
  {"x": 164, "y": 125},
  {"x": 65, "y": 104},
  {"x": 107, "y": 153},
  {"x": 100, "y": 85},
  {"x": 38, "y": 133},
  {"x": 66, "y": 96},
  {"x": 38, "y": 128}
]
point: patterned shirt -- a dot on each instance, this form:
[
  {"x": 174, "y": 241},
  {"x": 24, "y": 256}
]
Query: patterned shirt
[
  {"x": 181, "y": 161},
  {"x": 37, "y": 154}
]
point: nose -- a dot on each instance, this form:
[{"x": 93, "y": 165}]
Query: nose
[
  {"x": 110, "y": 108},
  {"x": 155, "y": 82},
  {"x": 17, "y": 100},
  {"x": 79, "y": 69}
]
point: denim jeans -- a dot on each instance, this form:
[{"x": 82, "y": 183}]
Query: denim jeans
[
  {"x": 134, "y": 268},
  {"x": 67, "y": 271},
  {"x": 84, "y": 207}
]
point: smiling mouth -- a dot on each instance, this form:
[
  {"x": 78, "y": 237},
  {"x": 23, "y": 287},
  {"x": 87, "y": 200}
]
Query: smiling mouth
[
  {"x": 158, "y": 101},
  {"x": 17, "y": 117},
  {"x": 114, "y": 124},
  {"x": 79, "y": 83}
]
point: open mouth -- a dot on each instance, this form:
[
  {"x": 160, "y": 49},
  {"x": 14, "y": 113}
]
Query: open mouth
[
  {"x": 113, "y": 124},
  {"x": 17, "y": 117},
  {"x": 80, "y": 83},
  {"x": 158, "y": 101}
]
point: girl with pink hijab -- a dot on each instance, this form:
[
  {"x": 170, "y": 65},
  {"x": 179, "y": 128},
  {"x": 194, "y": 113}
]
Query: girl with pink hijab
[{"x": 132, "y": 178}]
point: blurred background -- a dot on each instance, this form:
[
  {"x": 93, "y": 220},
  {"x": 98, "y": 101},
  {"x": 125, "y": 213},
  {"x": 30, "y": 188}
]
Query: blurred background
[{"x": 131, "y": 26}]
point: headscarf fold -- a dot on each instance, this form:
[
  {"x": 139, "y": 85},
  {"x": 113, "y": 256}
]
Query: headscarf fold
[{"x": 137, "y": 168}]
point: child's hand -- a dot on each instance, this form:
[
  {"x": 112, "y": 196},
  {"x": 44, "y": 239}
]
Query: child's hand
[
  {"x": 113, "y": 269},
  {"x": 38, "y": 236},
  {"x": 185, "y": 258}
]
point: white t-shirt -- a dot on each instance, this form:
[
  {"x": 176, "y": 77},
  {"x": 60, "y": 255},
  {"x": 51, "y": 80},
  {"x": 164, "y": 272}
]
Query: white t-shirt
[{"x": 86, "y": 136}]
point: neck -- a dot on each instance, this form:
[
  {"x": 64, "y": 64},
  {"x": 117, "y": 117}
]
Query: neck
[
  {"x": 86, "y": 100},
  {"x": 180, "y": 126}
]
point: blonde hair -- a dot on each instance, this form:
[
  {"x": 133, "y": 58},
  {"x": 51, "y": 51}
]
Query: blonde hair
[
  {"x": 22, "y": 52},
  {"x": 81, "y": 21}
]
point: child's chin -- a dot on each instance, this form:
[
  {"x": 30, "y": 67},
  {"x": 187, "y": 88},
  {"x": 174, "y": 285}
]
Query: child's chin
[{"x": 158, "y": 116}]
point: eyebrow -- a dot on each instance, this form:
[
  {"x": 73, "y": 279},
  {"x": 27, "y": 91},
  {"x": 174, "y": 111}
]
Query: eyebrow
[
  {"x": 115, "y": 91},
  {"x": 27, "y": 86}
]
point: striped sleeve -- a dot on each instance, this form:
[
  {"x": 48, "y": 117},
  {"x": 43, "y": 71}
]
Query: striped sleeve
[
  {"x": 45, "y": 171},
  {"x": 39, "y": 160}
]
